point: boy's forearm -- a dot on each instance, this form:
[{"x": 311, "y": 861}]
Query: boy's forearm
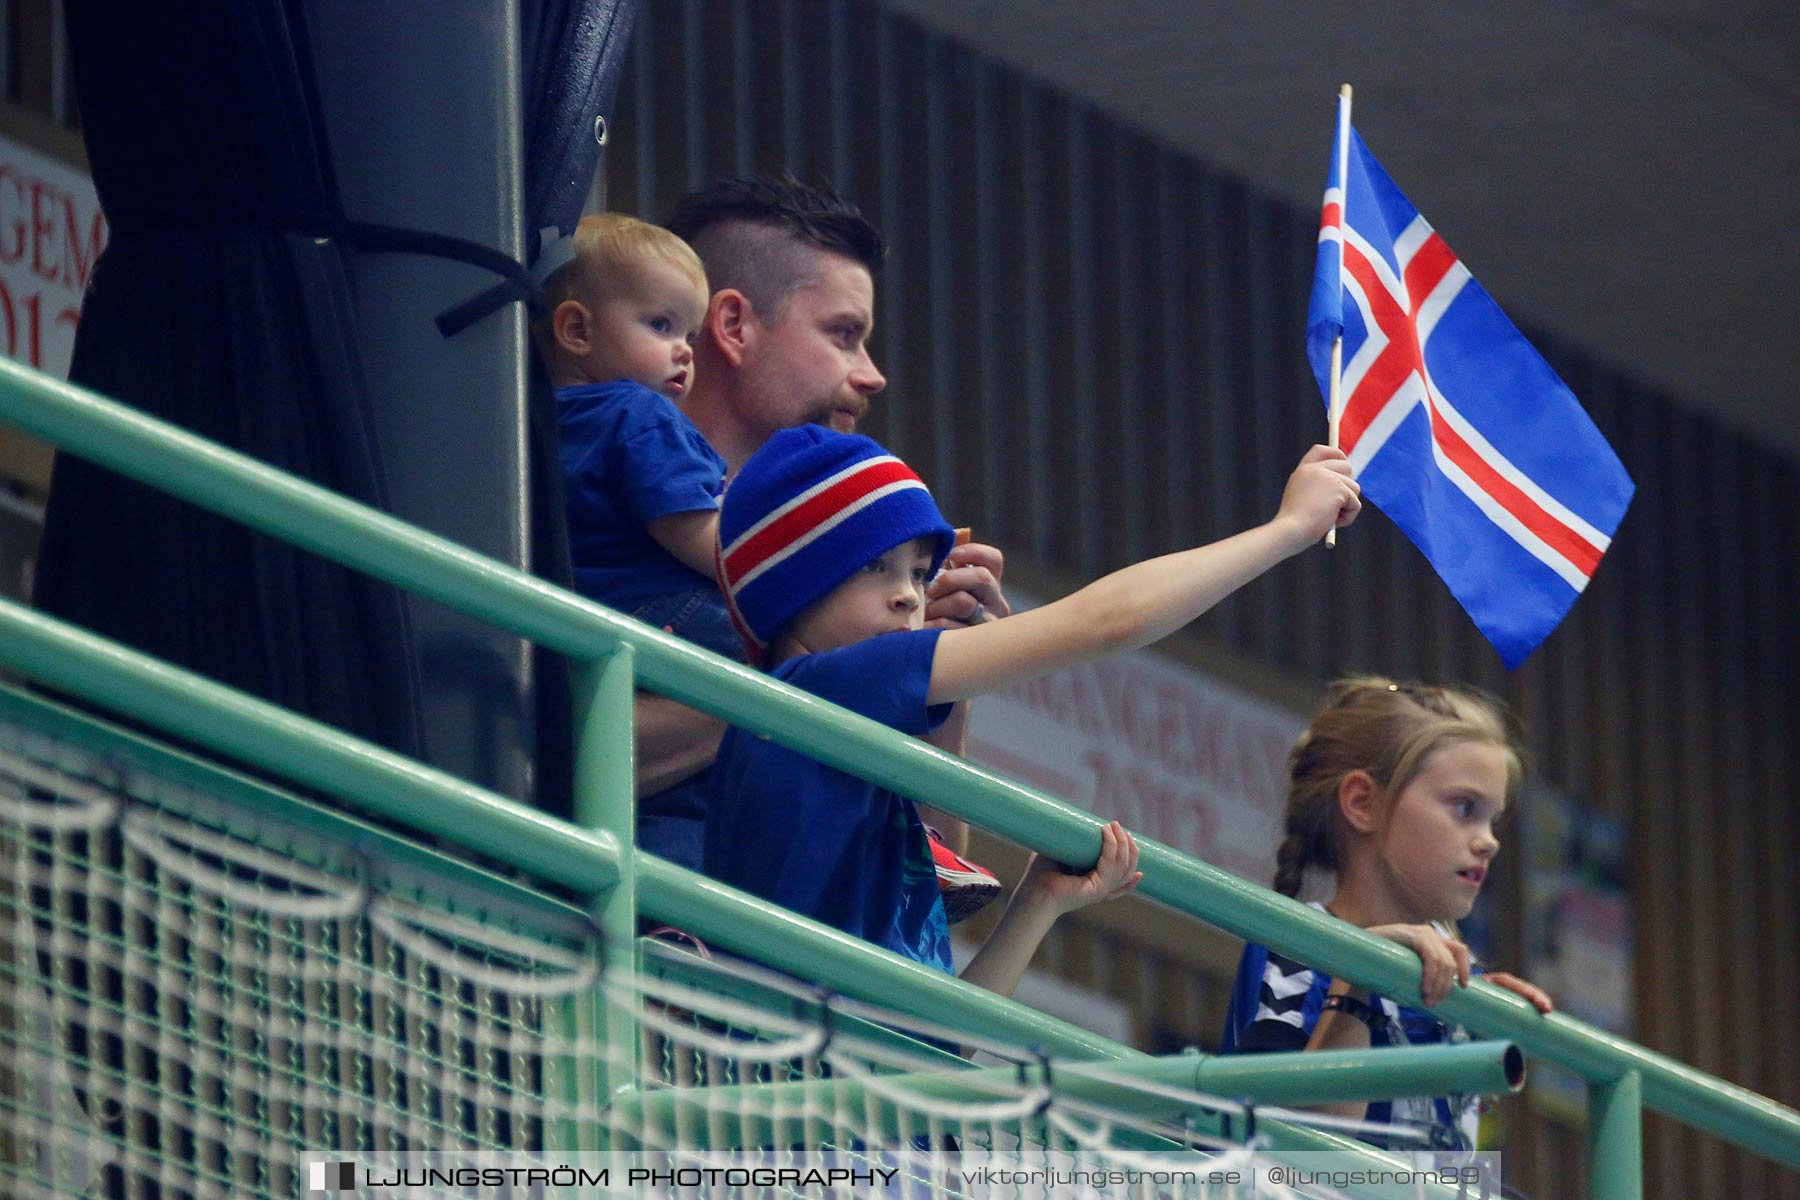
[
  {"x": 1130, "y": 608},
  {"x": 952, "y": 737},
  {"x": 1147, "y": 601},
  {"x": 672, "y": 742},
  {"x": 1003, "y": 959}
]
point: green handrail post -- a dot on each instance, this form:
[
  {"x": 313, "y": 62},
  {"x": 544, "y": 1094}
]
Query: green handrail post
[
  {"x": 1615, "y": 1139},
  {"x": 605, "y": 784}
]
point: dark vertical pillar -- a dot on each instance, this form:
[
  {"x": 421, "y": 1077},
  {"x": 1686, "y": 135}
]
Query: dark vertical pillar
[{"x": 422, "y": 109}]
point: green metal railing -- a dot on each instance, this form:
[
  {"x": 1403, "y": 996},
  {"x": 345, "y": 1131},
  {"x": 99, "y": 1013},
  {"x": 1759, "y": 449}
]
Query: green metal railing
[
  {"x": 1321, "y": 1077},
  {"x": 622, "y": 654}
]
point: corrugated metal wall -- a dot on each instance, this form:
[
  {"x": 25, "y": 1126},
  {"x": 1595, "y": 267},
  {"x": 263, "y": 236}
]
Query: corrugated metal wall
[
  {"x": 1093, "y": 347},
  {"x": 34, "y": 59}
]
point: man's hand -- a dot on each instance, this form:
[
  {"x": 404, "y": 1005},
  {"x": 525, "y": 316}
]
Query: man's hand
[{"x": 967, "y": 591}]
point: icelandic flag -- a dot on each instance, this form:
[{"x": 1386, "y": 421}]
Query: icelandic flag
[{"x": 1458, "y": 430}]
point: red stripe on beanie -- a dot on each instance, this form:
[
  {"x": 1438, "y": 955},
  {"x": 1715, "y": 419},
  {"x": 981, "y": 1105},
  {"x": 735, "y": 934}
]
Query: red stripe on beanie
[{"x": 799, "y": 524}]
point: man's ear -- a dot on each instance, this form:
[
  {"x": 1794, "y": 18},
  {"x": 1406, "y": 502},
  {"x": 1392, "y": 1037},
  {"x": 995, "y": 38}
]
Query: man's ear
[
  {"x": 731, "y": 323},
  {"x": 1359, "y": 801},
  {"x": 572, "y": 328}
]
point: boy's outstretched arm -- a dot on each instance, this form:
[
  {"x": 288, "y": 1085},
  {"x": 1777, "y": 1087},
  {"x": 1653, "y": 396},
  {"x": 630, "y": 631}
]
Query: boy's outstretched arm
[
  {"x": 692, "y": 537},
  {"x": 1148, "y": 600},
  {"x": 1045, "y": 893}
]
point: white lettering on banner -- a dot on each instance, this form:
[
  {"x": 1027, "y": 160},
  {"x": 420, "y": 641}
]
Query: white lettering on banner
[
  {"x": 1171, "y": 753},
  {"x": 51, "y": 234}
]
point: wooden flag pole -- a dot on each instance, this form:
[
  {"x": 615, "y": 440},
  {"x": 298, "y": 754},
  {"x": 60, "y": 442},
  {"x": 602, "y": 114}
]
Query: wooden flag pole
[{"x": 1334, "y": 406}]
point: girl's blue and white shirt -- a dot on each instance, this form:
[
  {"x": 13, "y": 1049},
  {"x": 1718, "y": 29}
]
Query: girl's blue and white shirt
[{"x": 1275, "y": 1004}]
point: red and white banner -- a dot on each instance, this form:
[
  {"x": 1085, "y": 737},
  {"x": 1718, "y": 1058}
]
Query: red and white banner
[
  {"x": 1173, "y": 754},
  {"x": 51, "y": 234}
]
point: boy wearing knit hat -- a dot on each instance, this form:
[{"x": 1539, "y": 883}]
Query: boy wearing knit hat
[{"x": 827, "y": 544}]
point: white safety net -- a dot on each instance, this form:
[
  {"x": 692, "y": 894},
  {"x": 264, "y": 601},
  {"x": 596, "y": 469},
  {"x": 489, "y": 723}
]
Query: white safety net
[{"x": 206, "y": 1008}]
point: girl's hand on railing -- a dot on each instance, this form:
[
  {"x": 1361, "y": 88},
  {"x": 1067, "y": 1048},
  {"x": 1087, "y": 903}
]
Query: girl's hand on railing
[
  {"x": 1446, "y": 960},
  {"x": 1539, "y": 998},
  {"x": 1114, "y": 875}
]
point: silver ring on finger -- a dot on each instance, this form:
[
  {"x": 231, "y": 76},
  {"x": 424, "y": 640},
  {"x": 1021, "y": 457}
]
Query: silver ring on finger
[{"x": 978, "y": 616}]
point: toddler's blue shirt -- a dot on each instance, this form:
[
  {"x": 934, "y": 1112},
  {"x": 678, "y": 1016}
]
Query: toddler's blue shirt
[{"x": 629, "y": 456}]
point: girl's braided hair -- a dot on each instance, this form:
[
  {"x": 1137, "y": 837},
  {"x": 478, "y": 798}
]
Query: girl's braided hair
[{"x": 1387, "y": 729}]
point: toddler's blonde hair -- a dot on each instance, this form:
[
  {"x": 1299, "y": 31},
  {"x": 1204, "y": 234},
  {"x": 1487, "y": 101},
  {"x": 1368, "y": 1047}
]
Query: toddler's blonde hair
[{"x": 609, "y": 248}]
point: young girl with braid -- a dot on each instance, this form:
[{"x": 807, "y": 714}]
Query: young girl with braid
[{"x": 1398, "y": 789}]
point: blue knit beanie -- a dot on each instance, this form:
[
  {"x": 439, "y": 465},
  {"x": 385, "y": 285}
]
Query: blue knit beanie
[{"x": 808, "y": 511}]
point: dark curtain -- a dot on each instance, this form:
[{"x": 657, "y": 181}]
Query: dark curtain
[
  {"x": 574, "y": 55},
  {"x": 223, "y": 304},
  {"x": 218, "y": 307},
  {"x": 574, "y": 52}
]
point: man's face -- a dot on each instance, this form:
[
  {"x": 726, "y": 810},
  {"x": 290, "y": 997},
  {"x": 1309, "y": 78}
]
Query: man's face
[{"x": 810, "y": 364}]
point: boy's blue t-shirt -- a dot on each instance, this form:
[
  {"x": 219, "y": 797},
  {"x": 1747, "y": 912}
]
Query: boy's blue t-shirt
[
  {"x": 822, "y": 842},
  {"x": 1275, "y": 1004},
  {"x": 629, "y": 456}
]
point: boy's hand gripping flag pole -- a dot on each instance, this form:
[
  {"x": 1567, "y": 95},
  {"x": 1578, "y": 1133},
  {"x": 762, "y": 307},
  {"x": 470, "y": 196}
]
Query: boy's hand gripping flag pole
[{"x": 1456, "y": 428}]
